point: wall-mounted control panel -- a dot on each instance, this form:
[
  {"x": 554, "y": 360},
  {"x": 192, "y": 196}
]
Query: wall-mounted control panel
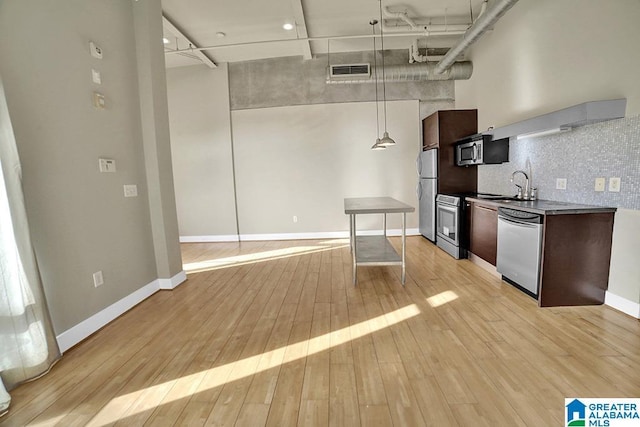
[
  {"x": 130, "y": 190},
  {"x": 95, "y": 50},
  {"x": 98, "y": 101},
  {"x": 107, "y": 165}
]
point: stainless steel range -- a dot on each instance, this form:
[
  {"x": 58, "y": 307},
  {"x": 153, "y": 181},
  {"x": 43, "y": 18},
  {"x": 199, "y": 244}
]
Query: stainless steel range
[{"x": 450, "y": 225}]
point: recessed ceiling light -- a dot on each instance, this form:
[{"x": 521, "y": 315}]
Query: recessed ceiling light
[
  {"x": 165, "y": 40},
  {"x": 288, "y": 26}
]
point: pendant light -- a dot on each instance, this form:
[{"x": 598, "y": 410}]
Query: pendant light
[
  {"x": 377, "y": 145},
  {"x": 386, "y": 139}
]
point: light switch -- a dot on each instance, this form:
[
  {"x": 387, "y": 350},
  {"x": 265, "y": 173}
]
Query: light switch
[
  {"x": 599, "y": 186},
  {"x": 98, "y": 279},
  {"x": 561, "y": 183},
  {"x": 96, "y": 77},
  {"x": 107, "y": 165},
  {"x": 130, "y": 190}
]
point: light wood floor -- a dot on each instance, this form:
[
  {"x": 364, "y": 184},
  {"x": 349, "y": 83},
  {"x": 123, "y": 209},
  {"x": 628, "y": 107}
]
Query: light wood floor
[{"x": 273, "y": 333}]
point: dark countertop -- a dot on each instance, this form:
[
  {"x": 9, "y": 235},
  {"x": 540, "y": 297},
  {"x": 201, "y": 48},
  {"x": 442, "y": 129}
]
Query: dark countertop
[{"x": 544, "y": 207}]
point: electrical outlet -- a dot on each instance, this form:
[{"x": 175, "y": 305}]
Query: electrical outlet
[
  {"x": 295, "y": 218},
  {"x": 599, "y": 186},
  {"x": 97, "y": 278},
  {"x": 614, "y": 185},
  {"x": 561, "y": 183}
]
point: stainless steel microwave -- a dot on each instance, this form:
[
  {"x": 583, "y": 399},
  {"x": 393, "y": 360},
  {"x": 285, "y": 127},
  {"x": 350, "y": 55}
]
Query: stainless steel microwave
[{"x": 481, "y": 149}]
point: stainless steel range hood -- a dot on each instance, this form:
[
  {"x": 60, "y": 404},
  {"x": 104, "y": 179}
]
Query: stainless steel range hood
[{"x": 566, "y": 119}]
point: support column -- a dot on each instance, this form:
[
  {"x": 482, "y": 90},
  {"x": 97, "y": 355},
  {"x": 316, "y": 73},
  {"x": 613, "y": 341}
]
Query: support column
[{"x": 154, "y": 115}]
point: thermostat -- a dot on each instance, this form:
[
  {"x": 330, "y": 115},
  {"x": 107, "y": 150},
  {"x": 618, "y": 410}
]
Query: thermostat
[{"x": 99, "y": 101}]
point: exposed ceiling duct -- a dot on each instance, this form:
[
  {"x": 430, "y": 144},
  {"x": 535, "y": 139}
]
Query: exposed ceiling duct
[
  {"x": 479, "y": 27},
  {"x": 415, "y": 72}
]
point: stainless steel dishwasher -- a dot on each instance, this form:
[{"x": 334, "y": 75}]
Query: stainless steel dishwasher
[{"x": 520, "y": 248}]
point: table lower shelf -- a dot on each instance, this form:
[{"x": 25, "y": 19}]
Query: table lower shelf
[{"x": 376, "y": 250}]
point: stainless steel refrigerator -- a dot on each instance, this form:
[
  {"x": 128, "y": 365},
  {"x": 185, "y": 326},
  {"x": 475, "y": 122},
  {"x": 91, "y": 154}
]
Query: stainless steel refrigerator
[{"x": 427, "y": 164}]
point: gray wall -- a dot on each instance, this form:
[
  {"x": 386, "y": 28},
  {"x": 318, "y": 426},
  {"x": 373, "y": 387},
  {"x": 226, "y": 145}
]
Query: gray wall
[
  {"x": 201, "y": 145},
  {"x": 298, "y": 142},
  {"x": 304, "y": 160},
  {"x": 546, "y": 55},
  {"x": 80, "y": 221}
]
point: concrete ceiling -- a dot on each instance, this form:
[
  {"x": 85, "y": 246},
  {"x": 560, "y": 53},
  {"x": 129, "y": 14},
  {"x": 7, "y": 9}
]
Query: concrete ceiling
[{"x": 254, "y": 29}]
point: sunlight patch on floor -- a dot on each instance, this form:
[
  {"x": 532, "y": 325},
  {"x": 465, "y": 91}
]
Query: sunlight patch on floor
[
  {"x": 48, "y": 422},
  {"x": 238, "y": 260},
  {"x": 142, "y": 400},
  {"x": 442, "y": 298}
]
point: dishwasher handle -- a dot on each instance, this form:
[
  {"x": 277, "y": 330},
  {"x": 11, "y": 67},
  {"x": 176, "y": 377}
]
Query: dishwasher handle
[
  {"x": 518, "y": 223},
  {"x": 520, "y": 216}
]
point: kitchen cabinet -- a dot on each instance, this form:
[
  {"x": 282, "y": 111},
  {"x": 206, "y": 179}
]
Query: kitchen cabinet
[
  {"x": 483, "y": 231},
  {"x": 440, "y": 131},
  {"x": 575, "y": 253}
]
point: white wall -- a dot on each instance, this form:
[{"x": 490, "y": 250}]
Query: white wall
[
  {"x": 545, "y": 55},
  {"x": 304, "y": 160},
  {"x": 200, "y": 123}
]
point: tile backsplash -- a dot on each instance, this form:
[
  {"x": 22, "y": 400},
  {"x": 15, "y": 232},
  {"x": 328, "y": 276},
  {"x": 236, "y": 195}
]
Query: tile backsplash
[{"x": 608, "y": 149}]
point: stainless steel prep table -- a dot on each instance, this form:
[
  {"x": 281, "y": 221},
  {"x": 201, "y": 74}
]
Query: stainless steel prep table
[{"x": 375, "y": 250}]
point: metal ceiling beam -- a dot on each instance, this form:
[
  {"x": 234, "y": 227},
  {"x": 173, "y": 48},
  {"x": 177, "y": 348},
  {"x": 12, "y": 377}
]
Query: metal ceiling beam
[
  {"x": 301, "y": 28},
  {"x": 310, "y": 39},
  {"x": 194, "y": 48}
]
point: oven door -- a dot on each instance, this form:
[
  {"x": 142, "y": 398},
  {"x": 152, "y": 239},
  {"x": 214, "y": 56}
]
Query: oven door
[{"x": 448, "y": 221}]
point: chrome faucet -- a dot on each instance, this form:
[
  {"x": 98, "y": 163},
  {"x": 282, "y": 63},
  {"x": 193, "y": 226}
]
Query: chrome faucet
[{"x": 527, "y": 189}]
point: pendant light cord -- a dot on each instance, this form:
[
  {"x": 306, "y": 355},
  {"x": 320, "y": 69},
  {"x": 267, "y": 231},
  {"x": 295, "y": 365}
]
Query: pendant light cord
[
  {"x": 384, "y": 88},
  {"x": 375, "y": 70}
]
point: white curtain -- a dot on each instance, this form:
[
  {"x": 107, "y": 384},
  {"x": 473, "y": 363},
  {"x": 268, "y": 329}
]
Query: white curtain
[{"x": 27, "y": 343}]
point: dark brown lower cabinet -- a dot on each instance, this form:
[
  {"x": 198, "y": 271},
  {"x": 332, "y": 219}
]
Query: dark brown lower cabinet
[
  {"x": 576, "y": 254},
  {"x": 483, "y": 231}
]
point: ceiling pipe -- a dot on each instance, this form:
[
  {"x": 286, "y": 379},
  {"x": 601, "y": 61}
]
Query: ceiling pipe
[
  {"x": 414, "y": 53},
  {"x": 428, "y": 29},
  {"x": 415, "y": 72},
  {"x": 479, "y": 27},
  {"x": 400, "y": 15},
  {"x": 425, "y": 29},
  {"x": 297, "y": 40}
]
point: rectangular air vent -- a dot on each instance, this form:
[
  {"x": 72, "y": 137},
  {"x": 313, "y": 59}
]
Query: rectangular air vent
[{"x": 350, "y": 71}]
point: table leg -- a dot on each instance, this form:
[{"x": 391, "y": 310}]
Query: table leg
[
  {"x": 354, "y": 249},
  {"x": 351, "y": 233},
  {"x": 404, "y": 233},
  {"x": 384, "y": 225}
]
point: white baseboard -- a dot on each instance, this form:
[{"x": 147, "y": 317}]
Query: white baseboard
[
  {"x": 204, "y": 239},
  {"x": 82, "y": 330},
  {"x": 293, "y": 236},
  {"x": 173, "y": 282},
  {"x": 622, "y": 304},
  {"x": 484, "y": 265}
]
